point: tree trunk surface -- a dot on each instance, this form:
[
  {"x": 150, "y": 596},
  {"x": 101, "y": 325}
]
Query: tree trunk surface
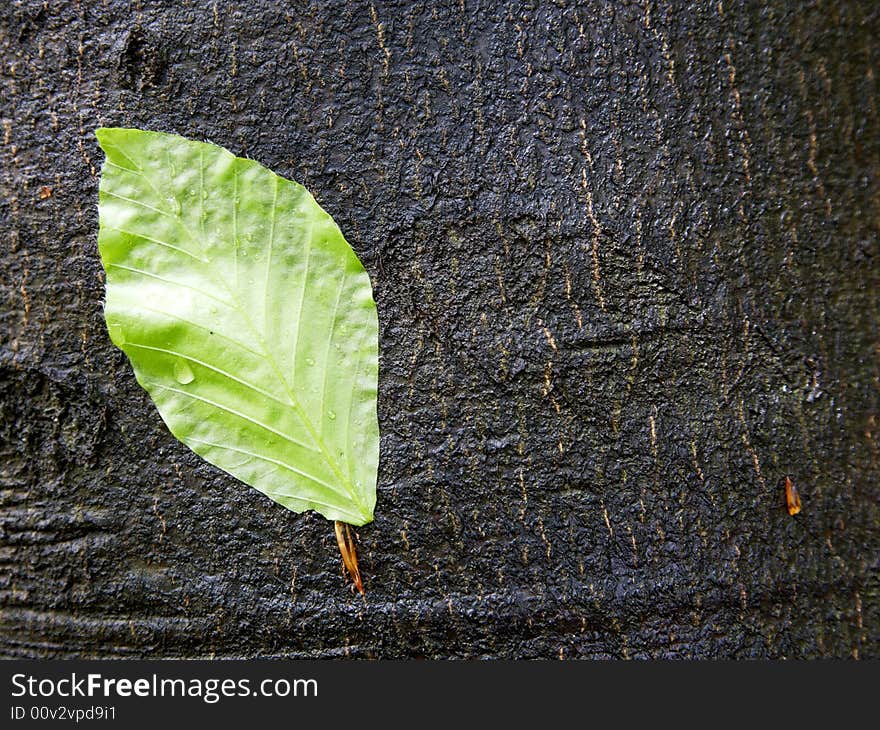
[{"x": 626, "y": 261}]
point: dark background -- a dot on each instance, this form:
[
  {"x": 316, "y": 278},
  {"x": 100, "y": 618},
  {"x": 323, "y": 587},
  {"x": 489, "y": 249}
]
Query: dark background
[{"x": 626, "y": 263}]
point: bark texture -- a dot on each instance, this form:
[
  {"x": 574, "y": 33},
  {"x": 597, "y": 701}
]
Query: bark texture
[{"x": 626, "y": 263}]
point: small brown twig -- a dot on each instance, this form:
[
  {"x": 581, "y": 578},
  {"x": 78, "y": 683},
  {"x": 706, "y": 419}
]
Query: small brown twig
[{"x": 349, "y": 553}]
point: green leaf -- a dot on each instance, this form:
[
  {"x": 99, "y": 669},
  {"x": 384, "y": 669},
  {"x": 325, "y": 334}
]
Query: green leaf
[{"x": 246, "y": 316}]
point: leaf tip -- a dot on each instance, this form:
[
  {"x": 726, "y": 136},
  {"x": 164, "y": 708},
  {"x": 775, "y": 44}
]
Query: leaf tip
[
  {"x": 105, "y": 135},
  {"x": 112, "y": 139}
]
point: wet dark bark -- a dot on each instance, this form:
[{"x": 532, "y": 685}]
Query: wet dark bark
[{"x": 626, "y": 264}]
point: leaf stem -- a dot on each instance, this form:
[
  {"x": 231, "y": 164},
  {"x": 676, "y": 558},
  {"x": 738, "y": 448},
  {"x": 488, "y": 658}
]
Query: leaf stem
[{"x": 349, "y": 553}]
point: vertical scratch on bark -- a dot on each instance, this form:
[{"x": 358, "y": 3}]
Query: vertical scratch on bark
[
  {"x": 632, "y": 539},
  {"x": 80, "y": 51},
  {"x": 500, "y": 275},
  {"x": 605, "y": 517},
  {"x": 544, "y": 539},
  {"x": 548, "y": 370},
  {"x": 634, "y": 363},
  {"x": 745, "y": 140},
  {"x": 577, "y": 309},
  {"x": 859, "y": 625},
  {"x": 696, "y": 461},
  {"x": 871, "y": 428},
  {"x": 664, "y": 49},
  {"x": 811, "y": 162},
  {"x": 549, "y": 337},
  {"x": 25, "y": 298},
  {"x": 548, "y": 386},
  {"x": 84, "y": 346},
  {"x": 640, "y": 258},
  {"x": 161, "y": 519},
  {"x": 673, "y": 234},
  {"x": 597, "y": 232},
  {"x": 585, "y": 150},
  {"x": 596, "y": 228},
  {"x": 380, "y": 35},
  {"x": 747, "y": 442},
  {"x": 872, "y": 99}
]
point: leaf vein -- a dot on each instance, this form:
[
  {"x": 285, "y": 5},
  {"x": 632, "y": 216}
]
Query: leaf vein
[
  {"x": 173, "y": 282},
  {"x": 139, "y": 204},
  {"x": 232, "y": 411},
  {"x": 217, "y": 370},
  {"x": 269, "y": 459},
  {"x": 184, "y": 320}
]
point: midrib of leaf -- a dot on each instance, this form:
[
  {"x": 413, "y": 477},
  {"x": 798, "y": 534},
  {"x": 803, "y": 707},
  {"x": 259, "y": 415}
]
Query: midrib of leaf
[
  {"x": 347, "y": 483},
  {"x": 265, "y": 354}
]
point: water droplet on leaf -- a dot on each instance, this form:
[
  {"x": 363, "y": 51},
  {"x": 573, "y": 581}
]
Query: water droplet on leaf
[
  {"x": 183, "y": 373},
  {"x": 331, "y": 415},
  {"x": 310, "y": 361}
]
